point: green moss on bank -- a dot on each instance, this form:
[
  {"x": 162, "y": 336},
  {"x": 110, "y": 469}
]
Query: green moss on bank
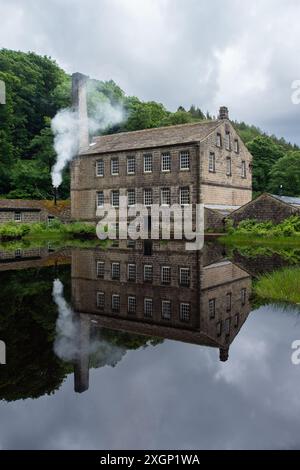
[{"x": 280, "y": 286}]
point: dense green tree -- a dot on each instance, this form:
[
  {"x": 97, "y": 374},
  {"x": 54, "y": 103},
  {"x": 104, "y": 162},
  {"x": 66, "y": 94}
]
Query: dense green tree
[{"x": 285, "y": 175}]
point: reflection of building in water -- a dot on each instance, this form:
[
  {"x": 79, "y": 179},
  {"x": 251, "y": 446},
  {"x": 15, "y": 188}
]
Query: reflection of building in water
[
  {"x": 164, "y": 291},
  {"x": 24, "y": 258}
]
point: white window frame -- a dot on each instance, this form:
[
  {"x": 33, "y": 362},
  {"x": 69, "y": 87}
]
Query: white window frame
[
  {"x": 219, "y": 140},
  {"x": 147, "y": 192},
  {"x": 131, "y": 192},
  {"x": 184, "y": 156},
  {"x": 98, "y": 163},
  {"x": 181, "y": 194},
  {"x": 148, "y": 163},
  {"x": 185, "y": 311},
  {"x": 102, "y": 296},
  {"x": 98, "y": 194},
  {"x": 181, "y": 271},
  {"x": 162, "y": 196},
  {"x": 162, "y": 275},
  {"x": 18, "y": 216},
  {"x": 166, "y": 162},
  {"x": 212, "y": 162},
  {"x": 114, "y": 193},
  {"x": 112, "y": 161},
  {"x": 131, "y": 298},
  {"x": 148, "y": 301},
  {"x": 102, "y": 264},
  {"x": 131, "y": 159},
  {"x": 228, "y": 166},
  {"x": 129, "y": 277},
  {"x": 117, "y": 297},
  {"x": 115, "y": 264},
  {"x": 147, "y": 266},
  {"x": 163, "y": 315}
]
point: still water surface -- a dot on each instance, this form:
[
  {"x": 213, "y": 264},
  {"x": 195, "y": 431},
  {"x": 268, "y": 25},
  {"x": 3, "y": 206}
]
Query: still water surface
[{"x": 105, "y": 353}]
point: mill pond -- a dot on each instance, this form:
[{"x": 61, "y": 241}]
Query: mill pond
[{"x": 147, "y": 346}]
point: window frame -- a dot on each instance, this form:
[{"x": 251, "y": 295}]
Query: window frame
[
  {"x": 164, "y": 155},
  {"x": 212, "y": 162},
  {"x": 167, "y": 204},
  {"x": 115, "y": 296},
  {"x": 98, "y": 294},
  {"x": 163, "y": 315},
  {"x": 162, "y": 270},
  {"x": 184, "y": 316},
  {"x": 112, "y": 161},
  {"x": 131, "y": 158},
  {"x": 181, "y": 283},
  {"x": 182, "y": 155},
  {"x": 99, "y": 175},
  {"x": 148, "y": 191},
  {"x": 115, "y": 277},
  {"x": 148, "y": 300},
  {"x": 98, "y": 193},
  {"x": 146, "y": 156},
  {"x": 181, "y": 189},
  {"x": 113, "y": 193}
]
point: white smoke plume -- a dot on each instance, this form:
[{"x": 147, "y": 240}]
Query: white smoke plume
[{"x": 65, "y": 127}]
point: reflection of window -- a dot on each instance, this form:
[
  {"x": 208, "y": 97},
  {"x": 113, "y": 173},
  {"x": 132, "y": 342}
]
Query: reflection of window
[
  {"x": 131, "y": 197},
  {"x": 148, "y": 163},
  {"x": 100, "y": 199},
  {"x": 165, "y": 196},
  {"x": 227, "y": 326},
  {"x": 185, "y": 196},
  {"x": 130, "y": 165},
  {"x": 243, "y": 296},
  {"x": 100, "y": 269},
  {"x": 131, "y": 272},
  {"x": 18, "y": 217},
  {"x": 130, "y": 243},
  {"x": 148, "y": 308},
  {"x": 165, "y": 275},
  {"x": 166, "y": 309},
  {"x": 184, "y": 160},
  {"x": 114, "y": 166},
  {"x": 115, "y": 303},
  {"x": 131, "y": 304},
  {"x": 100, "y": 168},
  {"x": 50, "y": 219},
  {"x": 219, "y": 328},
  {"x": 115, "y": 197},
  {"x": 148, "y": 199},
  {"x": 212, "y": 308},
  {"x": 219, "y": 140},
  {"x": 18, "y": 253},
  {"x": 184, "y": 277},
  {"x": 212, "y": 162},
  {"x": 228, "y": 301},
  {"x": 115, "y": 270},
  {"x": 185, "y": 311},
  {"x": 100, "y": 300},
  {"x": 165, "y": 162},
  {"x": 148, "y": 272},
  {"x": 236, "y": 320}
]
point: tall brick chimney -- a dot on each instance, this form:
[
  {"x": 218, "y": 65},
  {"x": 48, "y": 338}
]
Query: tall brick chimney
[
  {"x": 223, "y": 113},
  {"x": 79, "y": 105}
]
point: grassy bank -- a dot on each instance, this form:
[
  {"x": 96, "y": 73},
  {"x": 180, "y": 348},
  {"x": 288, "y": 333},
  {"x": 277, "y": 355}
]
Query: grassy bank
[
  {"x": 280, "y": 286},
  {"x": 55, "y": 230}
]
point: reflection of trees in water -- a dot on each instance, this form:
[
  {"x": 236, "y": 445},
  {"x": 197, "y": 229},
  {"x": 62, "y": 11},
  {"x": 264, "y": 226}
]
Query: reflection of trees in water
[{"x": 28, "y": 319}]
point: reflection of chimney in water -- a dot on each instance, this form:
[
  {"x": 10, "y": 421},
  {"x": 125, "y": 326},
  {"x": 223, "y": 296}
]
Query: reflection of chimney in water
[
  {"x": 224, "y": 354},
  {"x": 81, "y": 365},
  {"x": 79, "y": 105}
]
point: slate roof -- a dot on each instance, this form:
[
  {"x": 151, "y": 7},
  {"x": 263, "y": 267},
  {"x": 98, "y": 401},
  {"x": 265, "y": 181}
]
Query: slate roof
[
  {"x": 293, "y": 201},
  {"x": 149, "y": 138}
]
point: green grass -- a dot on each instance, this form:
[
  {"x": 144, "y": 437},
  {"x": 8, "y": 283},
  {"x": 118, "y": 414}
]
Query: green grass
[
  {"x": 42, "y": 231},
  {"x": 280, "y": 286}
]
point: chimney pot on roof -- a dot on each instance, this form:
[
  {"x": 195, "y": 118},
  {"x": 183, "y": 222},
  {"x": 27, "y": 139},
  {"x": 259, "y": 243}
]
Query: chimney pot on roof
[{"x": 223, "y": 113}]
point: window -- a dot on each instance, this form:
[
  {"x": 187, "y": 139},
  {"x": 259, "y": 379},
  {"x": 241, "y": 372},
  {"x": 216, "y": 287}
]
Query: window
[
  {"x": 18, "y": 217},
  {"x": 131, "y": 302},
  {"x": 236, "y": 320},
  {"x": 219, "y": 140},
  {"x": 165, "y": 162},
  {"x": 130, "y": 243},
  {"x": 185, "y": 311},
  {"x": 212, "y": 308},
  {"x": 99, "y": 168},
  {"x": 184, "y": 160},
  {"x": 100, "y": 269},
  {"x": 51, "y": 218},
  {"x": 114, "y": 166},
  {"x": 18, "y": 253},
  {"x": 148, "y": 272},
  {"x": 185, "y": 196},
  {"x": 227, "y": 326},
  {"x": 100, "y": 300},
  {"x": 130, "y": 165},
  {"x": 228, "y": 302},
  {"x": 236, "y": 146},
  {"x": 131, "y": 197},
  {"x": 148, "y": 199},
  {"x": 165, "y": 275},
  {"x": 165, "y": 196},
  {"x": 115, "y": 303},
  {"x": 148, "y": 163},
  {"x": 148, "y": 308},
  {"x": 115, "y": 197},
  {"x": 131, "y": 272},
  {"x": 166, "y": 309},
  {"x": 212, "y": 162},
  {"x": 228, "y": 166},
  {"x": 184, "y": 277},
  {"x": 100, "y": 199},
  {"x": 244, "y": 169},
  {"x": 243, "y": 296},
  {"x": 227, "y": 140},
  {"x": 115, "y": 270},
  {"x": 219, "y": 328}
]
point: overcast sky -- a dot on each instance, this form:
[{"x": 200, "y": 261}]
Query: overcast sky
[{"x": 178, "y": 52}]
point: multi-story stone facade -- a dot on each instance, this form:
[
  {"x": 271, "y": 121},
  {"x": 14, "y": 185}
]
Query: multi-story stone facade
[{"x": 204, "y": 162}]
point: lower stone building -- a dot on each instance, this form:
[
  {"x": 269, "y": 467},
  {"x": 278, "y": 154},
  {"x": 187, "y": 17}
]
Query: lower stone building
[
  {"x": 267, "y": 207},
  {"x": 30, "y": 211}
]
